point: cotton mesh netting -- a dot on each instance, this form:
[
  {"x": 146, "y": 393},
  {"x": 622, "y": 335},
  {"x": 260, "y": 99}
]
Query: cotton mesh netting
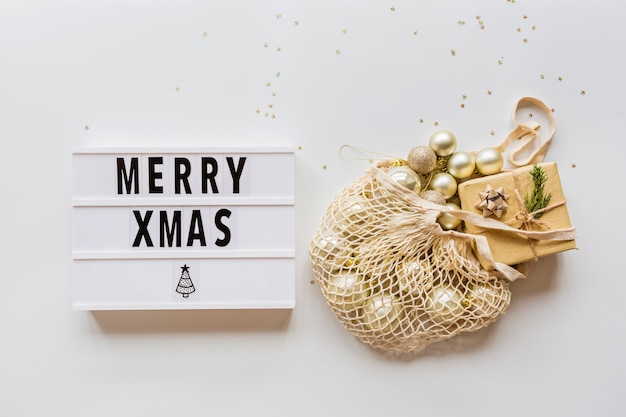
[{"x": 392, "y": 276}]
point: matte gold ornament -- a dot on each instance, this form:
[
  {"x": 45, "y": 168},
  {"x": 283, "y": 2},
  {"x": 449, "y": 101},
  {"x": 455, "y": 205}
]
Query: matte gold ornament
[
  {"x": 434, "y": 197},
  {"x": 489, "y": 161},
  {"x": 448, "y": 221},
  {"x": 443, "y": 142},
  {"x": 382, "y": 313},
  {"x": 406, "y": 177},
  {"x": 443, "y": 183},
  {"x": 422, "y": 159},
  {"x": 461, "y": 165},
  {"x": 445, "y": 304},
  {"x": 346, "y": 289}
]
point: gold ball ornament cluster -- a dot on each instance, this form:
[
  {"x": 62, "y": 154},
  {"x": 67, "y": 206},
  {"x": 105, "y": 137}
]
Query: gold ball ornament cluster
[{"x": 434, "y": 171}]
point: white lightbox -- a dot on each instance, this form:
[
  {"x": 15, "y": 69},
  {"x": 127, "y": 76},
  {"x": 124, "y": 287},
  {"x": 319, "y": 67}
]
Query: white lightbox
[{"x": 183, "y": 228}]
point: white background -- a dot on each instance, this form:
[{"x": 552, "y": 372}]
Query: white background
[{"x": 193, "y": 73}]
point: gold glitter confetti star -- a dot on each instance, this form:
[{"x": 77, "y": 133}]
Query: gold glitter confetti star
[
  {"x": 393, "y": 9},
  {"x": 86, "y": 127},
  {"x": 461, "y": 22},
  {"x": 338, "y": 52},
  {"x": 492, "y": 133},
  {"x": 525, "y": 40},
  {"x": 462, "y": 105},
  {"x": 574, "y": 166},
  {"x": 267, "y": 84},
  {"x": 324, "y": 166},
  {"x": 489, "y": 92},
  {"x": 560, "y": 78},
  {"x": 205, "y": 34},
  {"x": 436, "y": 124},
  {"x": 177, "y": 89},
  {"x": 278, "y": 74},
  {"x": 344, "y": 31},
  {"x": 421, "y": 120},
  {"x": 464, "y": 97},
  {"x": 533, "y": 27},
  {"x": 583, "y": 92},
  {"x": 452, "y": 52},
  {"x": 415, "y": 33},
  {"x": 278, "y": 16},
  {"x": 258, "y": 111},
  {"x": 296, "y": 23},
  {"x": 542, "y": 76},
  {"x": 278, "y": 49},
  {"x": 265, "y": 45},
  {"x": 525, "y": 17}
]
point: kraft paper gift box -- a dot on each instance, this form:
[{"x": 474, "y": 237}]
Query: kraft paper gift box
[{"x": 512, "y": 248}]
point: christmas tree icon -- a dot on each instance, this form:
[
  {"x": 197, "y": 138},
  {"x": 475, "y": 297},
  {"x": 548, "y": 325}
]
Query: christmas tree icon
[{"x": 185, "y": 285}]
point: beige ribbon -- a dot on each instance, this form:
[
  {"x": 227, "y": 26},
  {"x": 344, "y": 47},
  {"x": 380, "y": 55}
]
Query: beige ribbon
[{"x": 526, "y": 133}]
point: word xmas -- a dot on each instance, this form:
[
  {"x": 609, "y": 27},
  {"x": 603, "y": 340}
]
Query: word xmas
[
  {"x": 169, "y": 224},
  {"x": 169, "y": 228},
  {"x": 128, "y": 176}
]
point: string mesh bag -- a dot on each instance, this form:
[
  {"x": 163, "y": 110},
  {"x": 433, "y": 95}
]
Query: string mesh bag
[
  {"x": 392, "y": 276},
  {"x": 395, "y": 278}
]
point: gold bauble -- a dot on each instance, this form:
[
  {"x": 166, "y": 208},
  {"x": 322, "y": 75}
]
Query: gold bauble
[
  {"x": 422, "y": 159},
  {"x": 332, "y": 251},
  {"x": 448, "y": 221},
  {"x": 443, "y": 143},
  {"x": 406, "y": 177},
  {"x": 445, "y": 304},
  {"x": 444, "y": 183},
  {"x": 414, "y": 275},
  {"x": 461, "y": 165},
  {"x": 346, "y": 289},
  {"x": 489, "y": 161},
  {"x": 485, "y": 300},
  {"x": 434, "y": 197},
  {"x": 382, "y": 313},
  {"x": 352, "y": 217}
]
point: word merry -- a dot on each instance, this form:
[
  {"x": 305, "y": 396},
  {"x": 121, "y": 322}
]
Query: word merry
[
  {"x": 171, "y": 232},
  {"x": 128, "y": 176}
]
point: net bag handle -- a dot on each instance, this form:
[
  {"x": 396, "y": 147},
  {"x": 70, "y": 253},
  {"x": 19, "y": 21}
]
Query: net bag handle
[{"x": 527, "y": 135}]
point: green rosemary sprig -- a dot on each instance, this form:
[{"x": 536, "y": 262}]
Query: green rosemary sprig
[{"x": 537, "y": 200}]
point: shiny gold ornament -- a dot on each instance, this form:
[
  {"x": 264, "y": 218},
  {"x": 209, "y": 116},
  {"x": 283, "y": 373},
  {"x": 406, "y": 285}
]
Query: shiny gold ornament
[
  {"x": 489, "y": 161},
  {"x": 443, "y": 142},
  {"x": 414, "y": 275},
  {"x": 443, "y": 183},
  {"x": 406, "y": 177},
  {"x": 445, "y": 304},
  {"x": 333, "y": 250},
  {"x": 382, "y": 313},
  {"x": 422, "y": 159},
  {"x": 346, "y": 289},
  {"x": 448, "y": 221},
  {"x": 485, "y": 300},
  {"x": 461, "y": 165},
  {"x": 352, "y": 216}
]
